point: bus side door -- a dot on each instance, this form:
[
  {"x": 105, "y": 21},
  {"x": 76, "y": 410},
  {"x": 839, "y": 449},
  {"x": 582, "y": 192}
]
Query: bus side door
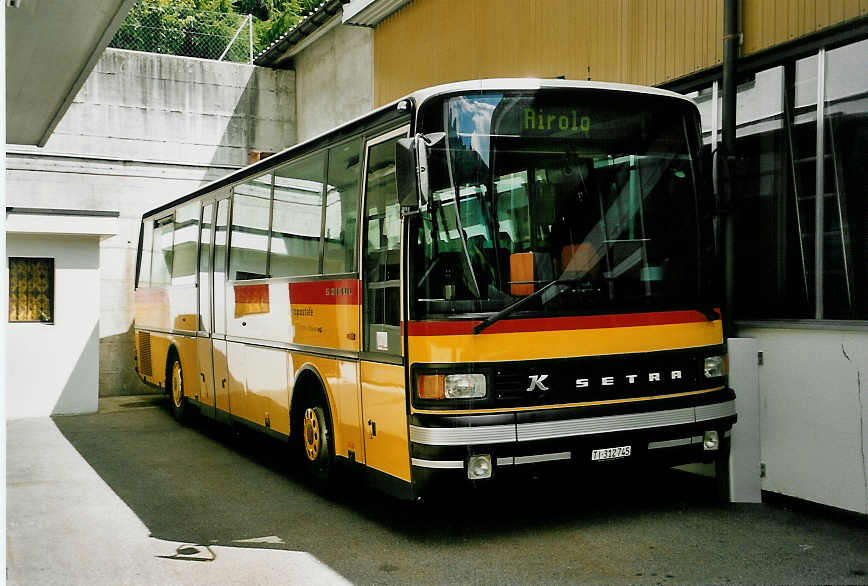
[
  {"x": 221, "y": 371},
  {"x": 384, "y": 399},
  {"x": 206, "y": 326}
]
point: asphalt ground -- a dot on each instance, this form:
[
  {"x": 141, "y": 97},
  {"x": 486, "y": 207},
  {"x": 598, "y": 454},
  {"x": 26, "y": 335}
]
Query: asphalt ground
[{"x": 204, "y": 483}]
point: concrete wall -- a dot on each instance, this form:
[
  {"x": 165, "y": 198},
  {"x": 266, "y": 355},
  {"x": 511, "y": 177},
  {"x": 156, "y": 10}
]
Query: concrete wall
[
  {"x": 334, "y": 79},
  {"x": 813, "y": 389},
  {"x": 54, "y": 368},
  {"x": 144, "y": 130}
]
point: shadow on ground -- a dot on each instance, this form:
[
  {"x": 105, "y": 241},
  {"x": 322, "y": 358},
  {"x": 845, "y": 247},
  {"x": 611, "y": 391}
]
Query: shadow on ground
[{"x": 206, "y": 484}]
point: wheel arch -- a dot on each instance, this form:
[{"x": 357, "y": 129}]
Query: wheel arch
[{"x": 309, "y": 383}]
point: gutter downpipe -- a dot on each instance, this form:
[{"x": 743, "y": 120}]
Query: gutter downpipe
[{"x": 730, "y": 54}]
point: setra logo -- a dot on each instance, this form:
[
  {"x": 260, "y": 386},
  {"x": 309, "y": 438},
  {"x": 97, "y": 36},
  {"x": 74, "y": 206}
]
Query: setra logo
[
  {"x": 536, "y": 382},
  {"x": 609, "y": 381}
]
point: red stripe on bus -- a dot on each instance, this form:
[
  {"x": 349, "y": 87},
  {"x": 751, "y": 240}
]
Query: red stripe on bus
[
  {"x": 581, "y": 322},
  {"x": 251, "y": 293},
  {"x": 334, "y": 292}
]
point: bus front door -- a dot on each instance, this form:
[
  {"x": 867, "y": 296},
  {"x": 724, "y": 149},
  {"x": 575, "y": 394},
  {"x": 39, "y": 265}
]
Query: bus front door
[{"x": 384, "y": 403}]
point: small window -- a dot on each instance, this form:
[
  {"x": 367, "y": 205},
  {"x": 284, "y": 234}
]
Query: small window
[
  {"x": 185, "y": 244},
  {"x": 31, "y": 290},
  {"x": 342, "y": 208},
  {"x": 161, "y": 261},
  {"x": 249, "y": 237},
  {"x": 297, "y": 223}
]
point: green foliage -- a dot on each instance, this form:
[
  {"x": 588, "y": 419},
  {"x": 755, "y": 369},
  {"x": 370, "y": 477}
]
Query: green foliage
[{"x": 204, "y": 28}]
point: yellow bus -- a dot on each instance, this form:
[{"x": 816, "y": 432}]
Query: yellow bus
[{"x": 480, "y": 279}]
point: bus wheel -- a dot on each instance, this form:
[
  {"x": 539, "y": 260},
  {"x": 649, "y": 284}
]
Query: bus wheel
[
  {"x": 176, "y": 389},
  {"x": 316, "y": 443}
]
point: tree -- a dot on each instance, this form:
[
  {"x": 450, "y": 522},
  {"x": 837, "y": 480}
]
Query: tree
[{"x": 204, "y": 28}]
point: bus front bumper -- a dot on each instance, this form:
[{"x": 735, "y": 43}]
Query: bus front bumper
[{"x": 667, "y": 435}]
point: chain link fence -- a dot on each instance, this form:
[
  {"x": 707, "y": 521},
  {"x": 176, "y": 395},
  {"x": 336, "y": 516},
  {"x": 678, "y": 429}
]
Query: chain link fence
[{"x": 178, "y": 30}]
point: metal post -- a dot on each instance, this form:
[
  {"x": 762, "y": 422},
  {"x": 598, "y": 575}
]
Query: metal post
[
  {"x": 820, "y": 199},
  {"x": 730, "y": 49},
  {"x": 235, "y": 36},
  {"x": 250, "y": 22}
]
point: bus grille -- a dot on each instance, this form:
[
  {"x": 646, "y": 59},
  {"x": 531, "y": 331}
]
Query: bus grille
[
  {"x": 600, "y": 378},
  {"x": 145, "y": 354}
]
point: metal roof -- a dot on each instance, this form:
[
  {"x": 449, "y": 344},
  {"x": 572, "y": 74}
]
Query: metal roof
[{"x": 306, "y": 26}]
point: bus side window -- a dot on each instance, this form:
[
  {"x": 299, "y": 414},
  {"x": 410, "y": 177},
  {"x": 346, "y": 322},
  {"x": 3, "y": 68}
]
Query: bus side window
[
  {"x": 185, "y": 244},
  {"x": 297, "y": 220},
  {"x": 144, "y": 279},
  {"x": 248, "y": 241},
  {"x": 341, "y": 213},
  {"x": 161, "y": 260}
]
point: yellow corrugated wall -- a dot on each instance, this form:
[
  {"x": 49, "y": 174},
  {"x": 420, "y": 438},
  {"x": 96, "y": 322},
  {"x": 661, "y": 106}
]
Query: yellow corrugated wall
[{"x": 636, "y": 41}]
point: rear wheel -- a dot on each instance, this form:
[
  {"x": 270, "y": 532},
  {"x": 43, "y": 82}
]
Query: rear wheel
[
  {"x": 175, "y": 381},
  {"x": 316, "y": 442}
]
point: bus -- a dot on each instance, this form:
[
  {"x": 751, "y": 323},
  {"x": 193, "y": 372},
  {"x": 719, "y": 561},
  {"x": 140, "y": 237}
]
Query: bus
[{"x": 480, "y": 279}]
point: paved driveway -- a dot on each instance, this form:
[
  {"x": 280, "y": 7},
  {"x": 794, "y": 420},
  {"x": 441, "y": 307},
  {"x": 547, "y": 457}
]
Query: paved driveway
[{"x": 202, "y": 484}]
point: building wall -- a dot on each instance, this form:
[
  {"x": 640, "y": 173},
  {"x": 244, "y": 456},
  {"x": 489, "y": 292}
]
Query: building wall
[
  {"x": 635, "y": 41},
  {"x": 334, "y": 79},
  {"x": 813, "y": 388},
  {"x": 144, "y": 130},
  {"x": 54, "y": 368}
]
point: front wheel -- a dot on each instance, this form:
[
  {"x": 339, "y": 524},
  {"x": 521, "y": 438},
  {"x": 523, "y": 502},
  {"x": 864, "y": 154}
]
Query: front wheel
[
  {"x": 316, "y": 443},
  {"x": 175, "y": 380}
]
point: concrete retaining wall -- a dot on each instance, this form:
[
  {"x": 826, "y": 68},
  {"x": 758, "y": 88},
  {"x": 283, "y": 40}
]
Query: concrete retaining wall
[{"x": 144, "y": 130}]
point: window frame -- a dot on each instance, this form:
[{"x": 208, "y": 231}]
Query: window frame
[{"x": 53, "y": 290}]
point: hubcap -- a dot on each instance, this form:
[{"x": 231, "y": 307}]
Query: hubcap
[
  {"x": 311, "y": 434},
  {"x": 177, "y": 392}
]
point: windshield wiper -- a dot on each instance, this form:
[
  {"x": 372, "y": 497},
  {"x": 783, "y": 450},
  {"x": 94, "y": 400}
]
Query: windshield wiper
[{"x": 510, "y": 309}]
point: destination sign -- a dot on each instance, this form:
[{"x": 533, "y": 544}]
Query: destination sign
[{"x": 558, "y": 121}]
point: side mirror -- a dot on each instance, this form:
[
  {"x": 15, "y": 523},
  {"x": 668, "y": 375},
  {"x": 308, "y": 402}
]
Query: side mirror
[{"x": 406, "y": 174}]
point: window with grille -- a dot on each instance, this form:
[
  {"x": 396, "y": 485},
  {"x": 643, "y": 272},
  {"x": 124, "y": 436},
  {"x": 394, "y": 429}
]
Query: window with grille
[{"x": 31, "y": 290}]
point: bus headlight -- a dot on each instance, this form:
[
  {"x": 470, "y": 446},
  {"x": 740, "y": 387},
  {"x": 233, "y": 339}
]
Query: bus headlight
[
  {"x": 479, "y": 467},
  {"x": 451, "y": 386},
  {"x": 714, "y": 366},
  {"x": 464, "y": 386}
]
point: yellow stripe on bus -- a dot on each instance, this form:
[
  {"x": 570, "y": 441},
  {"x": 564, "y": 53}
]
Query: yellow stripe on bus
[{"x": 562, "y": 344}]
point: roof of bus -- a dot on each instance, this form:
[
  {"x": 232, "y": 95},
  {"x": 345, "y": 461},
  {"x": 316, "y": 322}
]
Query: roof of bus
[
  {"x": 507, "y": 84},
  {"x": 418, "y": 97}
]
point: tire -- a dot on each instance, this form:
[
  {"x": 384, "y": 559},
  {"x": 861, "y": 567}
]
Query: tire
[
  {"x": 175, "y": 388},
  {"x": 316, "y": 443}
]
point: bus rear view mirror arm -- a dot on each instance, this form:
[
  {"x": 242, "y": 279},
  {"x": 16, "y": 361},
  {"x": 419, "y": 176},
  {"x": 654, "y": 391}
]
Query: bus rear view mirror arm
[{"x": 411, "y": 176}]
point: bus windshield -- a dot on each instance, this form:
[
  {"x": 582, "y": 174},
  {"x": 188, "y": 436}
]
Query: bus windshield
[{"x": 578, "y": 201}]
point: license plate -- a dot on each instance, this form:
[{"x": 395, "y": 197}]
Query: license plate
[{"x": 611, "y": 453}]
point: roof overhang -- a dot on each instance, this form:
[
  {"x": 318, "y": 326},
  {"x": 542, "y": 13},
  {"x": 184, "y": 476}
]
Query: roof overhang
[
  {"x": 102, "y": 224},
  {"x": 51, "y": 48},
  {"x": 370, "y": 12}
]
